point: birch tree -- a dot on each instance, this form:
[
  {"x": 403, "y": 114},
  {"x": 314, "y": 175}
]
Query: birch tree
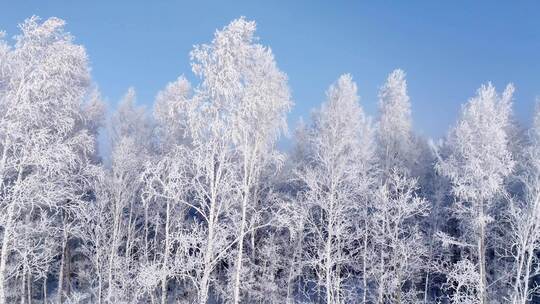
[
  {"x": 166, "y": 187},
  {"x": 241, "y": 74},
  {"x": 477, "y": 164},
  {"x": 398, "y": 241},
  {"x": 335, "y": 174},
  {"x": 200, "y": 134},
  {"x": 95, "y": 234},
  {"x": 462, "y": 282},
  {"x": 174, "y": 110},
  {"x": 521, "y": 222},
  {"x": 131, "y": 138},
  {"x": 395, "y": 138},
  {"x": 45, "y": 144}
]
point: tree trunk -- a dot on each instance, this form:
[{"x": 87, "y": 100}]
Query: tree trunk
[
  {"x": 129, "y": 231},
  {"x": 165, "y": 257},
  {"x": 146, "y": 247},
  {"x": 10, "y": 220},
  {"x": 516, "y": 297},
  {"x": 100, "y": 289},
  {"x": 5, "y": 251},
  {"x": 240, "y": 255},
  {"x": 113, "y": 249},
  {"x": 60, "y": 289},
  {"x": 328, "y": 248},
  {"x": 364, "y": 269},
  {"x": 527, "y": 278},
  {"x": 23, "y": 286},
  {"x": 45, "y": 290},
  {"x": 426, "y": 286},
  {"x": 328, "y": 265},
  {"x": 292, "y": 270},
  {"x": 398, "y": 292},
  {"x": 67, "y": 271},
  {"x": 482, "y": 259},
  {"x": 208, "y": 256},
  {"x": 247, "y": 181},
  {"x": 380, "y": 289},
  {"x": 203, "y": 297},
  {"x": 29, "y": 285}
]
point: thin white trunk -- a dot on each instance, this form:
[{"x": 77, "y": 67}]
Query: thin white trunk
[
  {"x": 29, "y": 286},
  {"x": 129, "y": 231},
  {"x": 165, "y": 256},
  {"x": 100, "y": 288},
  {"x": 521, "y": 289},
  {"x": 113, "y": 249},
  {"x": 293, "y": 270},
  {"x": 398, "y": 296},
  {"x": 60, "y": 289},
  {"x": 3, "y": 164},
  {"x": 426, "y": 286},
  {"x": 45, "y": 290},
  {"x": 365, "y": 257},
  {"x": 525, "y": 291},
  {"x": 517, "y": 296},
  {"x": 248, "y": 169},
  {"x": 203, "y": 297},
  {"x": 328, "y": 247},
  {"x": 249, "y": 164},
  {"x": 212, "y": 222},
  {"x": 23, "y": 286},
  {"x": 380, "y": 287},
  {"x": 240, "y": 255},
  {"x": 99, "y": 273},
  {"x": 364, "y": 269},
  {"x": 5, "y": 239},
  {"x": 5, "y": 251},
  {"x": 328, "y": 264},
  {"x": 146, "y": 247},
  {"x": 482, "y": 258}
]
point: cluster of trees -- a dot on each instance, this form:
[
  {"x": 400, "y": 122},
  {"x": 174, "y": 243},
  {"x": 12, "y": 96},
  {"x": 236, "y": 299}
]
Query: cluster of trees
[{"x": 198, "y": 206}]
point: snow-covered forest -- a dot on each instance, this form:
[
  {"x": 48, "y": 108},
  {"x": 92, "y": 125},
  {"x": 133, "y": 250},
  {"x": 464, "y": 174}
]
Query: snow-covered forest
[{"x": 198, "y": 205}]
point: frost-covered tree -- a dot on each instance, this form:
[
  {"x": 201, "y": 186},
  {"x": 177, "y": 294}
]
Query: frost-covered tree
[
  {"x": 395, "y": 138},
  {"x": 241, "y": 77},
  {"x": 166, "y": 186},
  {"x": 94, "y": 233},
  {"x": 131, "y": 138},
  {"x": 399, "y": 244},
  {"x": 462, "y": 282},
  {"x": 437, "y": 190},
  {"x": 521, "y": 222},
  {"x": 173, "y": 114},
  {"x": 46, "y": 144},
  {"x": 478, "y": 161},
  {"x": 201, "y": 141},
  {"x": 335, "y": 177}
]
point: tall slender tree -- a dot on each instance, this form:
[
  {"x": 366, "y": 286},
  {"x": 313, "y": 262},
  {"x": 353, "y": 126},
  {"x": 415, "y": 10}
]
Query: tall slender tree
[
  {"x": 242, "y": 78},
  {"x": 335, "y": 176},
  {"x": 478, "y": 161},
  {"x": 395, "y": 138},
  {"x": 399, "y": 245},
  {"x": 521, "y": 222},
  {"x": 131, "y": 139},
  {"x": 46, "y": 145}
]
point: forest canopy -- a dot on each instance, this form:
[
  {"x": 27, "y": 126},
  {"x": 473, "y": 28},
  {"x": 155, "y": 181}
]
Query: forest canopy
[{"x": 198, "y": 205}]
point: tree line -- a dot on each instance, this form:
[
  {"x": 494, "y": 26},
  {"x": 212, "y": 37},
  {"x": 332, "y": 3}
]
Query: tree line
[{"x": 197, "y": 205}]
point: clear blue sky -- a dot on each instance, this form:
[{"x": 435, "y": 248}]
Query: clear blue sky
[{"x": 447, "y": 48}]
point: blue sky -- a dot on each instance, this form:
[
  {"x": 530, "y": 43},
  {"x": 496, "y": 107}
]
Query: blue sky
[{"x": 447, "y": 48}]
